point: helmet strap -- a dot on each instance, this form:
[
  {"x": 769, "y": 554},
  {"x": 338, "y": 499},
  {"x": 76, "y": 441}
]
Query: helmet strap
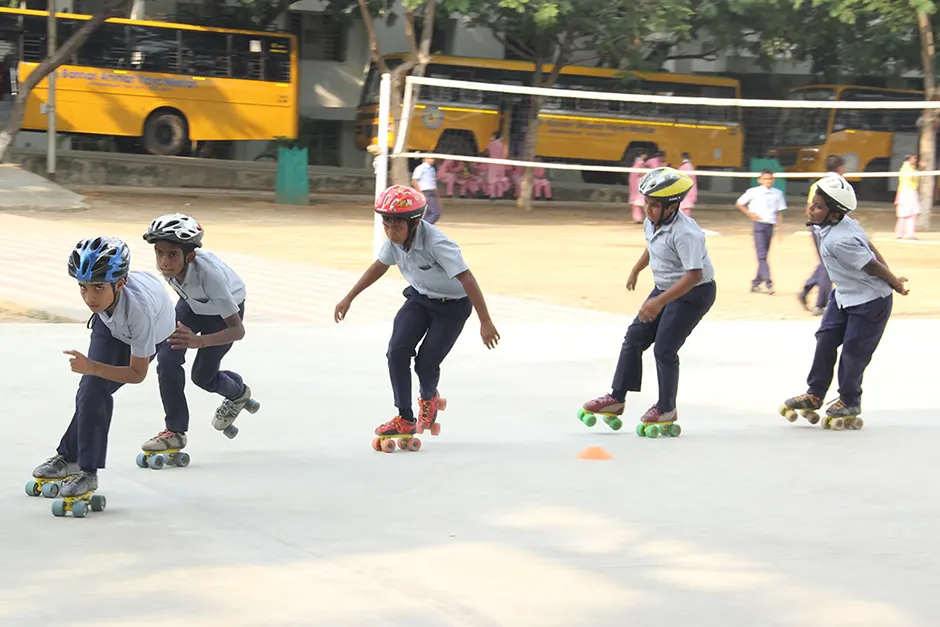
[
  {"x": 667, "y": 219},
  {"x": 412, "y": 231}
]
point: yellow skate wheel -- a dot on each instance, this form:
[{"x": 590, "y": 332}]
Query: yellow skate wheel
[
  {"x": 811, "y": 416},
  {"x": 837, "y": 424},
  {"x": 787, "y": 413}
]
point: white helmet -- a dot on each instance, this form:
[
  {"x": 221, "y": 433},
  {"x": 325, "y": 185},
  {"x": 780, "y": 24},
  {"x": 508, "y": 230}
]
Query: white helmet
[
  {"x": 175, "y": 227},
  {"x": 839, "y": 193}
]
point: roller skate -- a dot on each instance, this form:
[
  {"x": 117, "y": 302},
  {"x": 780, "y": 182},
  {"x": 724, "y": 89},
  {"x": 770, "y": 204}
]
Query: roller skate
[
  {"x": 228, "y": 411},
  {"x": 427, "y": 414},
  {"x": 608, "y": 407},
  {"x": 841, "y": 416},
  {"x": 396, "y": 429},
  {"x": 805, "y": 405},
  {"x": 49, "y": 475},
  {"x": 78, "y": 496},
  {"x": 164, "y": 448},
  {"x": 655, "y": 423}
]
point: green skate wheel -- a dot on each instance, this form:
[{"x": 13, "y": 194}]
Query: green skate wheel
[
  {"x": 32, "y": 488},
  {"x": 641, "y": 430},
  {"x": 79, "y": 509},
  {"x": 58, "y": 508},
  {"x": 653, "y": 431},
  {"x": 674, "y": 430},
  {"x": 587, "y": 418},
  {"x": 614, "y": 423}
]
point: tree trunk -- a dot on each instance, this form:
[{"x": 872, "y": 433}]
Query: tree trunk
[
  {"x": 49, "y": 65},
  {"x": 928, "y": 132},
  {"x": 524, "y": 201}
]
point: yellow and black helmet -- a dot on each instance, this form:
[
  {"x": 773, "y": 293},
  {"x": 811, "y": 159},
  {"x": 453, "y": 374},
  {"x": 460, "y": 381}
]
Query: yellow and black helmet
[{"x": 666, "y": 185}]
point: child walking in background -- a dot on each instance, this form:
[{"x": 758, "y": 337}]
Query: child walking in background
[
  {"x": 441, "y": 294},
  {"x": 209, "y": 318},
  {"x": 684, "y": 292},
  {"x": 907, "y": 200},
  {"x": 637, "y": 202},
  {"x": 425, "y": 179},
  {"x": 688, "y": 203},
  {"x": 820, "y": 278},
  {"x": 763, "y": 204},
  {"x": 132, "y": 316},
  {"x": 855, "y": 317}
]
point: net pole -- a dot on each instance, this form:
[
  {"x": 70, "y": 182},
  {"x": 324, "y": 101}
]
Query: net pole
[{"x": 381, "y": 163}]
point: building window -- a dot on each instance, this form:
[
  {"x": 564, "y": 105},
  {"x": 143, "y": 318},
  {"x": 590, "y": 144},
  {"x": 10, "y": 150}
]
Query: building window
[
  {"x": 322, "y": 37},
  {"x": 322, "y": 140}
]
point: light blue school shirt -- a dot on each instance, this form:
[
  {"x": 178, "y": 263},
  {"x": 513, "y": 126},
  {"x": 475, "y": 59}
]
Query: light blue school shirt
[
  {"x": 430, "y": 265},
  {"x": 845, "y": 250},
  {"x": 210, "y": 287},
  {"x": 675, "y": 249},
  {"x": 766, "y": 203},
  {"x": 426, "y": 176},
  {"x": 144, "y": 315}
]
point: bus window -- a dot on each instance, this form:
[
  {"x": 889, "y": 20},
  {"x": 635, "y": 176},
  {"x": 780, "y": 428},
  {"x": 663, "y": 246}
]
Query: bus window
[
  {"x": 247, "y": 57},
  {"x": 34, "y": 38},
  {"x": 154, "y": 49},
  {"x": 205, "y": 53},
  {"x": 277, "y": 59},
  {"x": 106, "y": 48}
]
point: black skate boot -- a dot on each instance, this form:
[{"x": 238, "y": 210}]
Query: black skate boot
[
  {"x": 805, "y": 405},
  {"x": 841, "y": 416}
]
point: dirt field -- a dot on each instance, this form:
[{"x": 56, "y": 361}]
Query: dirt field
[{"x": 564, "y": 254}]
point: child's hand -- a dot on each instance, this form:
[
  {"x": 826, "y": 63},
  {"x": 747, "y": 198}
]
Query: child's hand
[
  {"x": 341, "y": 308},
  {"x": 184, "y": 338},
  {"x": 650, "y": 309},
  {"x": 899, "y": 288},
  {"x": 78, "y": 362},
  {"x": 489, "y": 334},
  {"x": 631, "y": 281}
]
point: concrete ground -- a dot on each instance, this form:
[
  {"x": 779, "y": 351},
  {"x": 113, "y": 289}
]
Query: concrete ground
[{"x": 744, "y": 520}]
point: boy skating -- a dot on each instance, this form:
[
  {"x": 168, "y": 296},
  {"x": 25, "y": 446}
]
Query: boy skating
[
  {"x": 209, "y": 318},
  {"x": 820, "y": 278},
  {"x": 132, "y": 318},
  {"x": 441, "y": 295},
  {"x": 855, "y": 317},
  {"x": 684, "y": 292}
]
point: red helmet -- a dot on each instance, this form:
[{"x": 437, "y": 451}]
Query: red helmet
[{"x": 399, "y": 201}]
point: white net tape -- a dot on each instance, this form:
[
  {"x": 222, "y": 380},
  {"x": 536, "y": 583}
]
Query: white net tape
[{"x": 914, "y": 107}]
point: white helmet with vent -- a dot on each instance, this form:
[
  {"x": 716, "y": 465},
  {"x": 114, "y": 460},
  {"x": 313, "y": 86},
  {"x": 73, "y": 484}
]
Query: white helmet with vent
[
  {"x": 839, "y": 193},
  {"x": 175, "y": 227}
]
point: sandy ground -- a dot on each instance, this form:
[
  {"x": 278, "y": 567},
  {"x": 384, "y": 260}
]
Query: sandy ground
[{"x": 568, "y": 254}]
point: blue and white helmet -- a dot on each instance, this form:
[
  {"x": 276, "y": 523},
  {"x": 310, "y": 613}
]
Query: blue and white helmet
[{"x": 100, "y": 260}]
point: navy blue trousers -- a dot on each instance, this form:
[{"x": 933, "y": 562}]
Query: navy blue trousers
[
  {"x": 763, "y": 236},
  {"x": 205, "y": 372},
  {"x": 820, "y": 280},
  {"x": 86, "y": 439},
  {"x": 669, "y": 332},
  {"x": 858, "y": 330},
  {"x": 433, "y": 212},
  {"x": 440, "y": 323}
]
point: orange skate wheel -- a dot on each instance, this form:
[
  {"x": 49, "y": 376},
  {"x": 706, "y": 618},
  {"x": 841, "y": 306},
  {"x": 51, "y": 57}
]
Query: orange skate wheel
[
  {"x": 436, "y": 429},
  {"x": 388, "y": 445},
  {"x": 441, "y": 404},
  {"x": 414, "y": 444},
  {"x": 403, "y": 443},
  {"x": 376, "y": 444}
]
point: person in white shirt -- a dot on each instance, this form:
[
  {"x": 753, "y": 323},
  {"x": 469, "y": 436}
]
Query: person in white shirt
[
  {"x": 424, "y": 180},
  {"x": 132, "y": 317},
  {"x": 764, "y": 205},
  {"x": 209, "y": 318}
]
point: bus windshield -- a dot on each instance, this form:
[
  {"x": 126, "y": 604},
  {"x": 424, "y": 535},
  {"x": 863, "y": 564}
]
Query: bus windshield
[{"x": 806, "y": 127}]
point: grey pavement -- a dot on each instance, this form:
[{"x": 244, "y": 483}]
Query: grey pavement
[
  {"x": 745, "y": 519},
  {"x": 21, "y": 189}
]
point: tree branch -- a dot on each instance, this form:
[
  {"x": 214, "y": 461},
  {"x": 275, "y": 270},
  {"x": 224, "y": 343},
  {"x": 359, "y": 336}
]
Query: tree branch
[
  {"x": 373, "y": 40},
  {"x": 410, "y": 33},
  {"x": 709, "y": 55}
]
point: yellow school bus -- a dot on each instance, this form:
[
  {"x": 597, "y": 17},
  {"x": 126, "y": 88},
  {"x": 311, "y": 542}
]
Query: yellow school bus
[
  {"x": 165, "y": 85},
  {"x": 863, "y": 137},
  {"x": 573, "y": 130}
]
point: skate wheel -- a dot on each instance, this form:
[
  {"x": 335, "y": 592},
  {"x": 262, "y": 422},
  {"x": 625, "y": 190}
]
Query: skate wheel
[
  {"x": 812, "y": 417},
  {"x": 156, "y": 462},
  {"x": 142, "y": 460},
  {"x": 79, "y": 509},
  {"x": 787, "y": 413},
  {"x": 58, "y": 508},
  {"x": 50, "y": 490},
  {"x": 614, "y": 423},
  {"x": 403, "y": 443},
  {"x": 230, "y": 432},
  {"x": 182, "y": 460},
  {"x": 376, "y": 444},
  {"x": 641, "y": 430},
  {"x": 441, "y": 404},
  {"x": 33, "y": 489},
  {"x": 388, "y": 445},
  {"x": 653, "y": 431},
  {"x": 414, "y": 444},
  {"x": 837, "y": 424},
  {"x": 252, "y": 406},
  {"x": 674, "y": 430},
  {"x": 858, "y": 423},
  {"x": 587, "y": 417},
  {"x": 98, "y": 503},
  {"x": 436, "y": 429},
  {"x": 825, "y": 422}
]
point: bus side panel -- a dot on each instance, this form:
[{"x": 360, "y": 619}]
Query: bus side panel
[
  {"x": 429, "y": 123},
  {"x": 861, "y": 147}
]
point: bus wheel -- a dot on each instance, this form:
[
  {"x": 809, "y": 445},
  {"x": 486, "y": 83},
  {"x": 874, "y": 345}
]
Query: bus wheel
[{"x": 165, "y": 133}]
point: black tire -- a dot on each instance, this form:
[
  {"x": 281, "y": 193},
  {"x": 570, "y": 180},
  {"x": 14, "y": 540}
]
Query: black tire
[{"x": 165, "y": 133}]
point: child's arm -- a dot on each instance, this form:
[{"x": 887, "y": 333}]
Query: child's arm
[
  {"x": 134, "y": 373},
  {"x": 183, "y": 337},
  {"x": 641, "y": 264},
  {"x": 877, "y": 254},
  {"x": 487, "y": 330},
  {"x": 742, "y": 204},
  {"x": 652, "y": 307},
  {"x": 875, "y": 267},
  {"x": 370, "y": 276}
]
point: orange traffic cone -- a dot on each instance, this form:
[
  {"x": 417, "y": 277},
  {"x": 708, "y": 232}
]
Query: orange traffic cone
[{"x": 594, "y": 452}]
